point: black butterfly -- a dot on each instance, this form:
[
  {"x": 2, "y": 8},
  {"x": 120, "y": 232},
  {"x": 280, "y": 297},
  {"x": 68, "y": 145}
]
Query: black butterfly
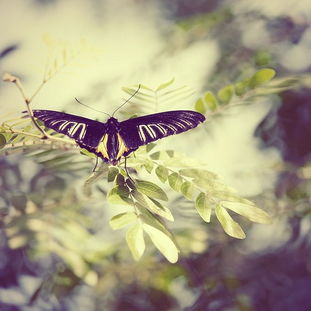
[{"x": 113, "y": 139}]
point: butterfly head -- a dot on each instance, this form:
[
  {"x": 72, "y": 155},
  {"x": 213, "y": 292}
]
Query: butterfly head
[{"x": 112, "y": 125}]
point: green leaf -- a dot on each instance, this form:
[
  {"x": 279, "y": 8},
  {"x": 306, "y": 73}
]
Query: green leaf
[
  {"x": 199, "y": 106},
  {"x": 162, "y": 173},
  {"x": 152, "y": 205},
  {"x": 57, "y": 160},
  {"x": 121, "y": 220},
  {"x": 135, "y": 241},
  {"x": 210, "y": 100},
  {"x": 112, "y": 174},
  {"x": 203, "y": 208},
  {"x": 262, "y": 76},
  {"x": 175, "y": 181},
  {"x": 2, "y": 141},
  {"x": 119, "y": 195},
  {"x": 151, "y": 190},
  {"x": 87, "y": 153},
  {"x": 231, "y": 227},
  {"x": 120, "y": 180},
  {"x": 197, "y": 173},
  {"x": 284, "y": 82},
  {"x": 143, "y": 87},
  {"x": 147, "y": 217},
  {"x": 251, "y": 212},
  {"x": 150, "y": 146},
  {"x": 187, "y": 189},
  {"x": 130, "y": 183},
  {"x": 148, "y": 165},
  {"x": 170, "y": 153},
  {"x": 225, "y": 94},
  {"x": 164, "y": 85},
  {"x": 156, "y": 155},
  {"x": 94, "y": 177},
  {"x": 163, "y": 243},
  {"x": 241, "y": 87},
  {"x": 262, "y": 58}
]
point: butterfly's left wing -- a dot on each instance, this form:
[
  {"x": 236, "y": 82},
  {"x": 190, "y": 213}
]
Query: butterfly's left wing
[
  {"x": 143, "y": 130},
  {"x": 86, "y": 132}
]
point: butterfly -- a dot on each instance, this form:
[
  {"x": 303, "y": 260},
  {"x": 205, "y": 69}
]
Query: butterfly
[{"x": 113, "y": 139}]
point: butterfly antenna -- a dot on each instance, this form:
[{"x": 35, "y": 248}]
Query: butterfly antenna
[
  {"x": 127, "y": 100},
  {"x": 92, "y": 108}
]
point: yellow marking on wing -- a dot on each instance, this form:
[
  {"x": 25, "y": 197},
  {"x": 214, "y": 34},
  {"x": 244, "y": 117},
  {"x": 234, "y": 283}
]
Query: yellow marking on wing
[
  {"x": 102, "y": 147},
  {"x": 122, "y": 146}
]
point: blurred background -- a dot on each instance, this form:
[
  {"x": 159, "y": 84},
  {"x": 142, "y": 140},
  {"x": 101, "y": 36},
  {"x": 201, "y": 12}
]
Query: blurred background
[{"x": 57, "y": 251}]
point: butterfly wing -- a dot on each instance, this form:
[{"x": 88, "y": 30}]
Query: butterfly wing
[
  {"x": 87, "y": 133},
  {"x": 143, "y": 130}
]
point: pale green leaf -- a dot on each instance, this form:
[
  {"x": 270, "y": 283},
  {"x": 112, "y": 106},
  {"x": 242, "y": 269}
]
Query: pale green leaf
[
  {"x": 150, "y": 146},
  {"x": 155, "y": 155},
  {"x": 197, "y": 173},
  {"x": 135, "y": 241},
  {"x": 170, "y": 153},
  {"x": 262, "y": 76},
  {"x": 210, "y": 100},
  {"x": 87, "y": 153},
  {"x": 151, "y": 190},
  {"x": 199, "y": 106},
  {"x": 112, "y": 173},
  {"x": 203, "y": 208},
  {"x": 175, "y": 181},
  {"x": 284, "y": 82},
  {"x": 160, "y": 155},
  {"x": 131, "y": 91},
  {"x": 118, "y": 195},
  {"x": 187, "y": 189},
  {"x": 95, "y": 176},
  {"x": 150, "y": 219},
  {"x": 163, "y": 243},
  {"x": 241, "y": 87},
  {"x": 225, "y": 94},
  {"x": 152, "y": 205},
  {"x": 143, "y": 87},
  {"x": 121, "y": 220},
  {"x": 165, "y": 85},
  {"x": 231, "y": 227},
  {"x": 263, "y": 58},
  {"x": 251, "y": 212},
  {"x": 162, "y": 173},
  {"x": 148, "y": 165}
]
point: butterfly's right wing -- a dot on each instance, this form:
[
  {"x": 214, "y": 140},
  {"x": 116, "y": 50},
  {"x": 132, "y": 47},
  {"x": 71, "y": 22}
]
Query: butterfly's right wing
[
  {"x": 143, "y": 130},
  {"x": 86, "y": 132}
]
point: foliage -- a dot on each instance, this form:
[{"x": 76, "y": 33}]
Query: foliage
[
  {"x": 146, "y": 203},
  {"x": 149, "y": 99},
  {"x": 261, "y": 83}
]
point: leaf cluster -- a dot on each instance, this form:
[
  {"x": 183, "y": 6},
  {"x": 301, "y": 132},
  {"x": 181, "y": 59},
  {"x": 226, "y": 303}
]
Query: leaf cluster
[
  {"x": 149, "y": 215},
  {"x": 148, "y": 202},
  {"x": 261, "y": 83},
  {"x": 149, "y": 99}
]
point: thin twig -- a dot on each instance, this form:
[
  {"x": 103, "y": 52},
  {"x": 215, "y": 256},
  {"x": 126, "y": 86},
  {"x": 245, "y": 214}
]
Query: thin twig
[{"x": 28, "y": 100}]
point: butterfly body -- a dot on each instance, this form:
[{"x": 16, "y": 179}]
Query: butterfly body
[{"x": 113, "y": 139}]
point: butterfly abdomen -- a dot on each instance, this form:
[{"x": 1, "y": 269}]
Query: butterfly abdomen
[{"x": 112, "y": 147}]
